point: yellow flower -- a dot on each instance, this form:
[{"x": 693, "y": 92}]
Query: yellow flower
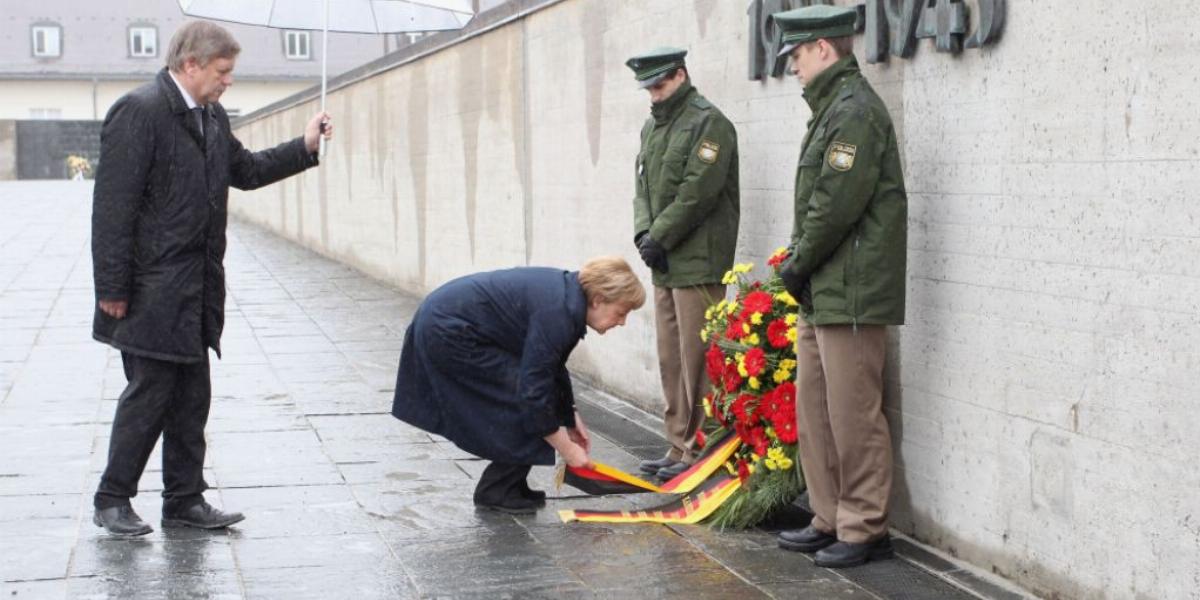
[
  {"x": 754, "y": 384},
  {"x": 729, "y": 467},
  {"x": 731, "y": 308},
  {"x": 779, "y": 250},
  {"x": 791, "y": 335},
  {"x": 746, "y": 328},
  {"x": 741, "y": 365},
  {"x": 708, "y": 314},
  {"x": 708, "y": 407},
  {"x": 785, "y": 463},
  {"x": 770, "y": 463},
  {"x": 704, "y": 335},
  {"x": 750, "y": 468},
  {"x": 790, "y": 319},
  {"x": 752, "y": 339},
  {"x": 786, "y": 298},
  {"x": 787, "y": 364},
  {"x": 729, "y": 278},
  {"x": 756, "y": 318},
  {"x": 743, "y": 267},
  {"x": 781, "y": 375}
]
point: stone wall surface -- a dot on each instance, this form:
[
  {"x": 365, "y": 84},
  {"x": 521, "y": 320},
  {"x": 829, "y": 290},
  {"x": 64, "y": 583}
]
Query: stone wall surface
[{"x": 1043, "y": 393}]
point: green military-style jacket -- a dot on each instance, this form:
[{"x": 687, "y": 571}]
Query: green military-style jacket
[
  {"x": 850, "y": 235},
  {"x": 687, "y": 188}
]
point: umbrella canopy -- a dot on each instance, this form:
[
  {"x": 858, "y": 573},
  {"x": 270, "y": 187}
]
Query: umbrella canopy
[{"x": 348, "y": 16}]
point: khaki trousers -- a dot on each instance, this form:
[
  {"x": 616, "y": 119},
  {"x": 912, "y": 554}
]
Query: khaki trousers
[
  {"x": 845, "y": 446},
  {"x": 678, "y": 319}
]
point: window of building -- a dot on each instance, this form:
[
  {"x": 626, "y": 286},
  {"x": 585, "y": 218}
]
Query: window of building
[
  {"x": 47, "y": 41},
  {"x": 143, "y": 41},
  {"x": 296, "y": 45},
  {"x": 45, "y": 113}
]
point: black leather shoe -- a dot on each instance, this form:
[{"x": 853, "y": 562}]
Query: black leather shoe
[
  {"x": 846, "y": 554},
  {"x": 809, "y": 539},
  {"x": 672, "y": 471},
  {"x": 653, "y": 466},
  {"x": 514, "y": 506},
  {"x": 121, "y": 520},
  {"x": 201, "y": 516},
  {"x": 528, "y": 493}
]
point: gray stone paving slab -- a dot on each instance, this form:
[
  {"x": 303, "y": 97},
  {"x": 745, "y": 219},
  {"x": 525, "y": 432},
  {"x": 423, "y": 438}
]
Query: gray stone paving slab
[{"x": 342, "y": 501}]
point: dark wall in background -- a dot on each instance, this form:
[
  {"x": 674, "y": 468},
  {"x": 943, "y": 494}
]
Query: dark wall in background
[{"x": 43, "y": 147}]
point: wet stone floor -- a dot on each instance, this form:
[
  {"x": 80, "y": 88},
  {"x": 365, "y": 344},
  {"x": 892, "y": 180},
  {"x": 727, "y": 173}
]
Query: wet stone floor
[{"x": 341, "y": 500}]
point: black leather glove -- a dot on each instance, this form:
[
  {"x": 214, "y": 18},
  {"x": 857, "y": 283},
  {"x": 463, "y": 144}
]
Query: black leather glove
[
  {"x": 653, "y": 254},
  {"x": 797, "y": 287},
  {"x": 637, "y": 239}
]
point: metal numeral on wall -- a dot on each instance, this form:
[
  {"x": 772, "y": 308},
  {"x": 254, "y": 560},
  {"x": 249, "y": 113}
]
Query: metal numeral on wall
[{"x": 891, "y": 27}]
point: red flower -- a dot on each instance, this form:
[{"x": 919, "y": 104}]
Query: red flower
[
  {"x": 778, "y": 259},
  {"x": 701, "y": 441},
  {"x": 785, "y": 428},
  {"x": 770, "y": 405},
  {"x": 777, "y": 334},
  {"x": 756, "y": 302},
  {"x": 715, "y": 363},
  {"x": 786, "y": 392},
  {"x": 743, "y": 470},
  {"x": 733, "y": 380},
  {"x": 734, "y": 331},
  {"x": 756, "y": 361},
  {"x": 739, "y": 407}
]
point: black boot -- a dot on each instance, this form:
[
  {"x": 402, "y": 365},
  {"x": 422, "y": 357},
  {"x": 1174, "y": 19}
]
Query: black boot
[
  {"x": 500, "y": 489},
  {"x": 200, "y": 515},
  {"x": 528, "y": 493},
  {"x": 121, "y": 520},
  {"x": 847, "y": 554},
  {"x": 809, "y": 539},
  {"x": 672, "y": 471},
  {"x": 653, "y": 466}
]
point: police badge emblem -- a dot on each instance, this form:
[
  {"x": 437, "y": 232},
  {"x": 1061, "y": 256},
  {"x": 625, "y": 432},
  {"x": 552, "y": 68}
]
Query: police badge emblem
[
  {"x": 708, "y": 152},
  {"x": 841, "y": 156}
]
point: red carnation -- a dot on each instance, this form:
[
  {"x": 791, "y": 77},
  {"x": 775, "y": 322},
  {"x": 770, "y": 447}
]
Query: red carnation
[
  {"x": 739, "y": 408},
  {"x": 701, "y": 441},
  {"x": 733, "y": 380},
  {"x": 756, "y": 361},
  {"x": 756, "y": 302},
  {"x": 777, "y": 334},
  {"x": 787, "y": 395},
  {"x": 778, "y": 259},
  {"x": 734, "y": 331},
  {"x": 770, "y": 405},
  {"x": 785, "y": 428},
  {"x": 743, "y": 470},
  {"x": 715, "y": 363}
]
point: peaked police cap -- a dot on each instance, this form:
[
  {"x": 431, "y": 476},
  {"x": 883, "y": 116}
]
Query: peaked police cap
[
  {"x": 651, "y": 67},
  {"x": 812, "y": 23}
]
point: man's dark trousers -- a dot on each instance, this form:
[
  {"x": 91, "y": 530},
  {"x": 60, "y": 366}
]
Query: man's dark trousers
[{"x": 163, "y": 398}]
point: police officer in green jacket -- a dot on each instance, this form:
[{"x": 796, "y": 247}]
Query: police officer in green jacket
[
  {"x": 685, "y": 226},
  {"x": 847, "y": 269}
]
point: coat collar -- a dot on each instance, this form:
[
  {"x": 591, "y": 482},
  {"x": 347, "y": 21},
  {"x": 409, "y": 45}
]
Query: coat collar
[
  {"x": 576, "y": 303},
  {"x": 824, "y": 86},
  {"x": 667, "y": 109},
  {"x": 171, "y": 90}
]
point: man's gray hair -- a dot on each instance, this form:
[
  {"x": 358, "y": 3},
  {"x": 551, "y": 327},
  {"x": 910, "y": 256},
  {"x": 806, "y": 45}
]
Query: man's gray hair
[{"x": 202, "y": 41}]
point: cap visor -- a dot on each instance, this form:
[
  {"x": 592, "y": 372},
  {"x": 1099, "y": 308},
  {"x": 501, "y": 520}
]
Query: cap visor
[
  {"x": 786, "y": 49},
  {"x": 645, "y": 83}
]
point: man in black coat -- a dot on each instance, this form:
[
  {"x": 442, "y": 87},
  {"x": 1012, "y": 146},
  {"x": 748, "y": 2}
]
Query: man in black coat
[{"x": 167, "y": 159}]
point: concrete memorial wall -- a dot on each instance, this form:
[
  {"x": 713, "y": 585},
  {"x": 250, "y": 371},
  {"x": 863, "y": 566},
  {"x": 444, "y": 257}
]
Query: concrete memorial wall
[{"x": 1043, "y": 394}]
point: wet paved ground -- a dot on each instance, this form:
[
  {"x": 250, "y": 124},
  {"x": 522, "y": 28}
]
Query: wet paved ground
[{"x": 342, "y": 501}]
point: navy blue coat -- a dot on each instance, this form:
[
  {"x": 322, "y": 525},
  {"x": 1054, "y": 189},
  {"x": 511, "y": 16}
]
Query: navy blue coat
[{"x": 484, "y": 362}]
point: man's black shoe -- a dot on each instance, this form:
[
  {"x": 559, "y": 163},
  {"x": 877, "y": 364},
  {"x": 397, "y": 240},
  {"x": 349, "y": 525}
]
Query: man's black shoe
[
  {"x": 653, "y": 466},
  {"x": 846, "y": 554},
  {"x": 672, "y": 471},
  {"x": 809, "y": 539},
  {"x": 121, "y": 520},
  {"x": 513, "y": 505},
  {"x": 538, "y": 497},
  {"x": 201, "y": 516}
]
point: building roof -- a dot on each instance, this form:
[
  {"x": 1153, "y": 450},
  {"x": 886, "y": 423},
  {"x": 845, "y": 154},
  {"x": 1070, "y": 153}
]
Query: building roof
[{"x": 95, "y": 42}]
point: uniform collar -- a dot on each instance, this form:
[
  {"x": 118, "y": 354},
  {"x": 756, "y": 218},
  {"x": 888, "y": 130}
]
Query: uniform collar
[
  {"x": 820, "y": 92},
  {"x": 666, "y": 110}
]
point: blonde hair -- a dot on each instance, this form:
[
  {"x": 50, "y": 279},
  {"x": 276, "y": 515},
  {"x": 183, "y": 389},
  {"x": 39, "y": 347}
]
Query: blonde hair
[
  {"x": 609, "y": 279},
  {"x": 202, "y": 41}
]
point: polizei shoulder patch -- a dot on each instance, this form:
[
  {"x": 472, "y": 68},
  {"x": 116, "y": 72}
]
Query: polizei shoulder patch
[
  {"x": 709, "y": 151},
  {"x": 841, "y": 156}
]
